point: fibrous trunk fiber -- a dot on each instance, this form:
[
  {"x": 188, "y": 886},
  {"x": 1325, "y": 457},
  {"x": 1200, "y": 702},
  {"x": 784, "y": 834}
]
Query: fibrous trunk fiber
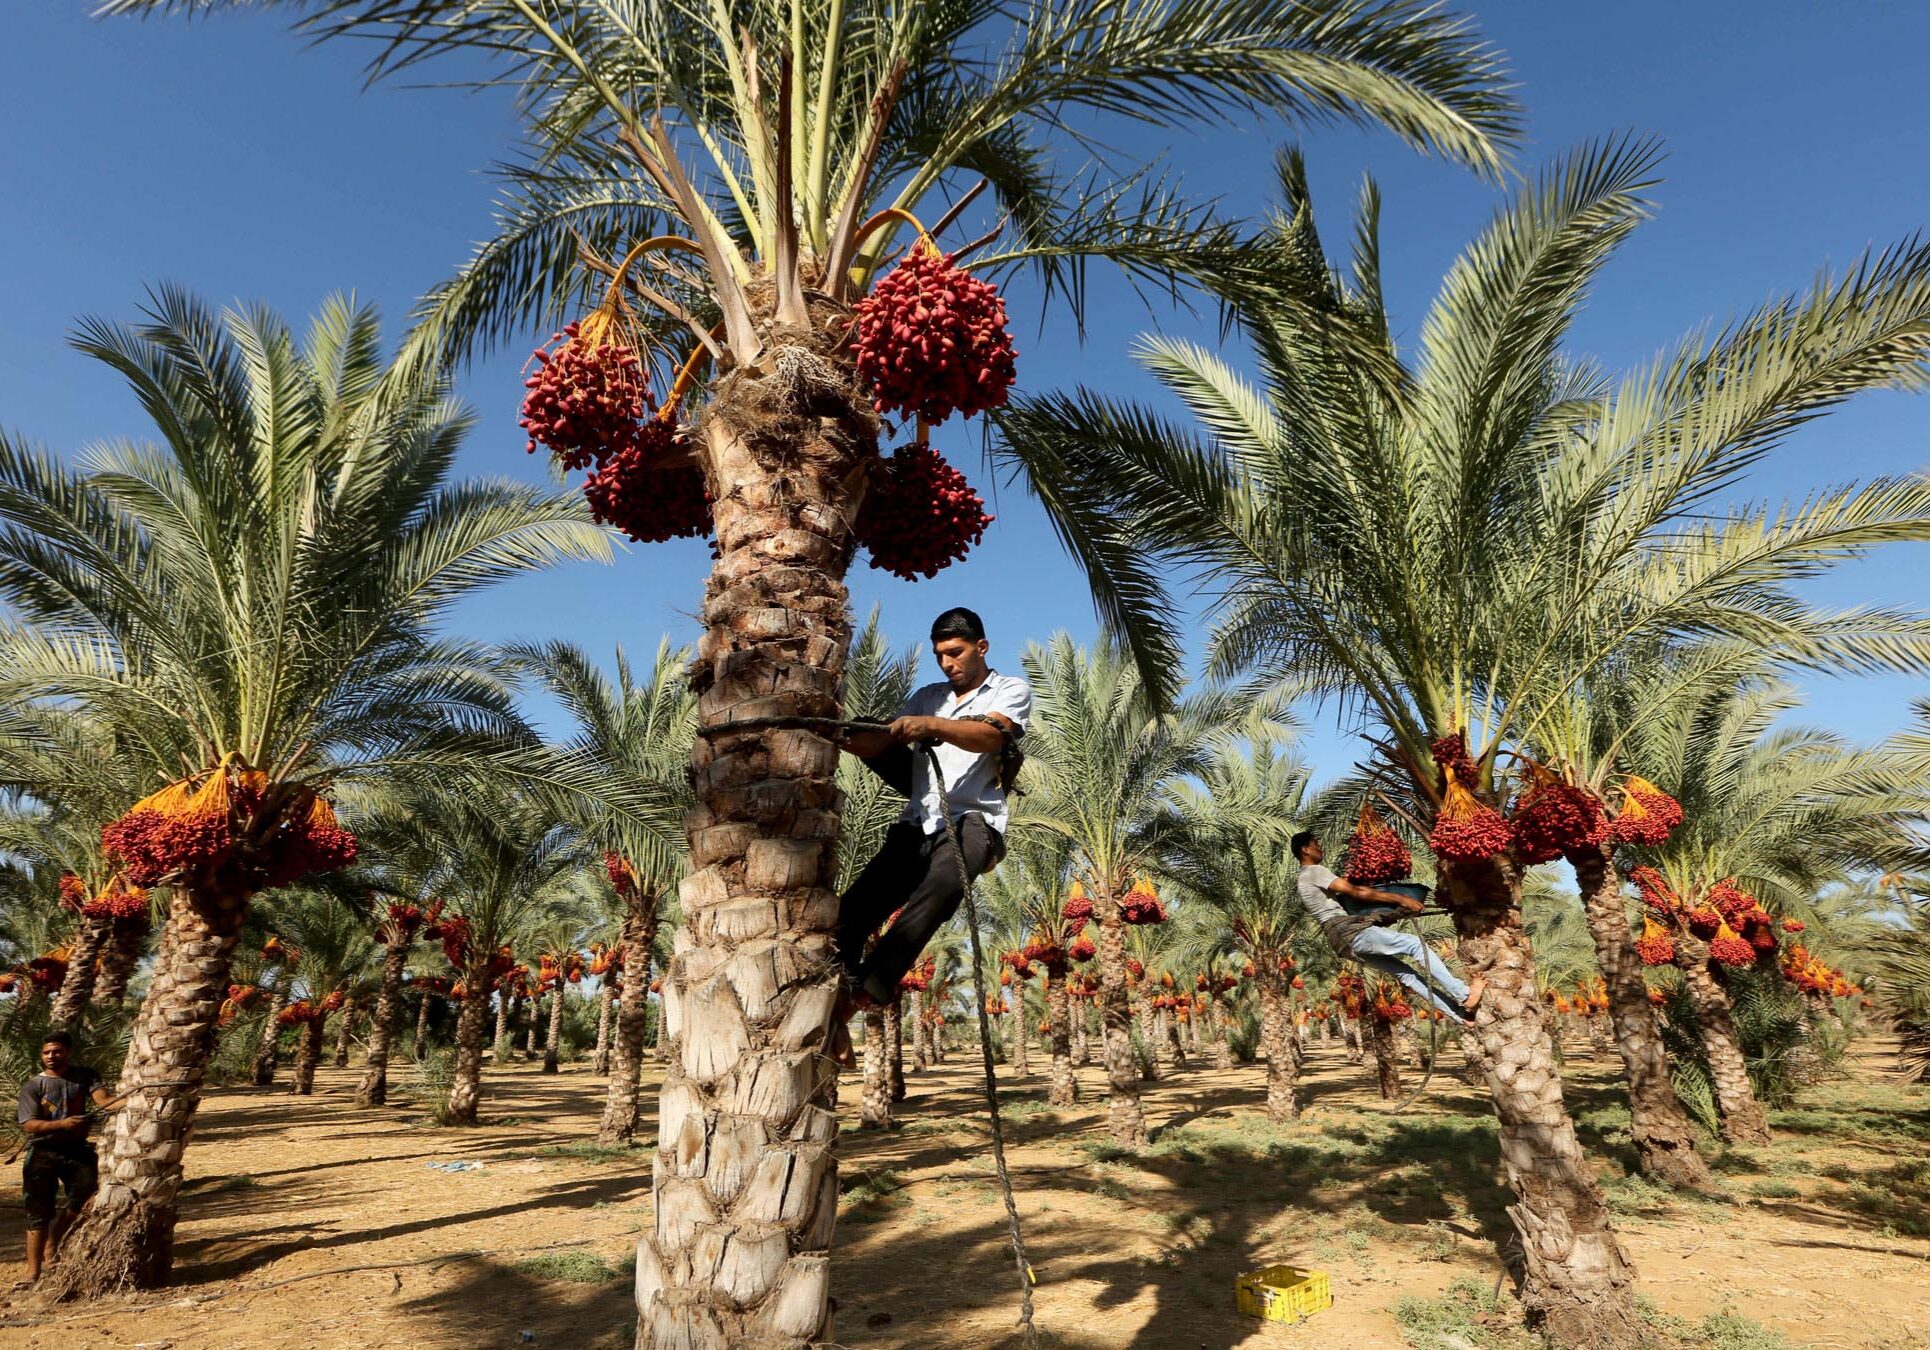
[{"x": 895, "y": 1050}]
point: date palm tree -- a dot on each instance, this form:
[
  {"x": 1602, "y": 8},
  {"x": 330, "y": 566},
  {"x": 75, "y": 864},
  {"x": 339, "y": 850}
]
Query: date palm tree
[
  {"x": 1781, "y": 810},
  {"x": 1099, "y": 759},
  {"x": 248, "y": 600},
  {"x": 802, "y": 121},
  {"x": 638, "y": 733},
  {"x": 1228, "y": 848},
  {"x": 336, "y": 948},
  {"x": 1448, "y": 543}
]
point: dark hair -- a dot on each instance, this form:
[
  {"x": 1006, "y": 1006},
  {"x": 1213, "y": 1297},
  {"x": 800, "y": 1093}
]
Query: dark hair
[
  {"x": 1299, "y": 842},
  {"x": 58, "y": 1038},
  {"x": 958, "y": 623}
]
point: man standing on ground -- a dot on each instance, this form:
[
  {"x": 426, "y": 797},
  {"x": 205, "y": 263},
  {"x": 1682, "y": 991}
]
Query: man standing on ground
[
  {"x": 971, "y": 716},
  {"x": 53, "y": 1114},
  {"x": 1360, "y": 937}
]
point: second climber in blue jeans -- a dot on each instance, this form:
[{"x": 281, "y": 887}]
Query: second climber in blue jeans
[{"x": 1358, "y": 937}]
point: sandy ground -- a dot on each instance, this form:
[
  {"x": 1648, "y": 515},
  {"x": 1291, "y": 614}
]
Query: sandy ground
[{"x": 309, "y": 1223}]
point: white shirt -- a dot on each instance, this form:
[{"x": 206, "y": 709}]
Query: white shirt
[
  {"x": 971, "y": 780},
  {"x": 1313, "y": 884}
]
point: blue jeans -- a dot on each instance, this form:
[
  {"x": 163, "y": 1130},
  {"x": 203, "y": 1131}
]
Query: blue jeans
[{"x": 1403, "y": 955}]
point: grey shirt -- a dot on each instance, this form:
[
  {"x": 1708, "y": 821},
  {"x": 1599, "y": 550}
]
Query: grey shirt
[
  {"x": 971, "y": 780},
  {"x": 1313, "y": 884},
  {"x": 45, "y": 1097}
]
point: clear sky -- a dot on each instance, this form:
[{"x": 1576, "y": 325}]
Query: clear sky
[{"x": 226, "y": 156}]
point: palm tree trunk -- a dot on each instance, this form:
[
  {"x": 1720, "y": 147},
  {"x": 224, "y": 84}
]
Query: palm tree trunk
[
  {"x": 1148, "y": 1037},
  {"x": 125, "y": 1236},
  {"x": 1167, "y": 1053},
  {"x": 346, "y": 1034},
  {"x": 633, "y": 1014},
  {"x": 421, "y": 1046},
  {"x": 1015, "y": 1034},
  {"x": 529, "y": 1031},
  {"x": 1062, "y": 1089},
  {"x": 746, "y": 1179},
  {"x": 267, "y": 1052},
  {"x": 895, "y": 1049},
  {"x": 874, "y": 1103},
  {"x": 553, "y": 1041},
  {"x": 1276, "y": 1039},
  {"x": 1743, "y": 1121},
  {"x": 78, "y": 987},
  {"x": 1577, "y": 1286},
  {"x": 1351, "y": 1038},
  {"x": 501, "y": 1040},
  {"x": 472, "y": 1024},
  {"x": 1387, "y": 1059},
  {"x": 1222, "y": 1041},
  {"x": 920, "y": 1032},
  {"x": 308, "y": 1053},
  {"x": 1081, "y": 1049},
  {"x": 1126, "y": 1120},
  {"x": 374, "y": 1087},
  {"x": 606, "y": 999},
  {"x": 1664, "y": 1136},
  {"x": 121, "y": 953}
]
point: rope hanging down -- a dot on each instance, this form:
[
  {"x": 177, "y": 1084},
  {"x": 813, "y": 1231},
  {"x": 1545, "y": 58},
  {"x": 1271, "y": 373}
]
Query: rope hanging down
[{"x": 834, "y": 726}]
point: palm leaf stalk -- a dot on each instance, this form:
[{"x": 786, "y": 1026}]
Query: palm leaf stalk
[{"x": 1454, "y": 547}]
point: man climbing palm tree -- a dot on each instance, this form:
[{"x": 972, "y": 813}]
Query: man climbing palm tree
[
  {"x": 1359, "y": 936},
  {"x": 971, "y": 716}
]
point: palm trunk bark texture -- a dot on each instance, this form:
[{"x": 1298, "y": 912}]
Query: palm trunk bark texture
[
  {"x": 1743, "y": 1121},
  {"x": 373, "y": 1090},
  {"x": 78, "y": 988},
  {"x": 125, "y": 1236},
  {"x": 308, "y": 1054},
  {"x": 745, "y": 1182},
  {"x": 1125, "y": 1118},
  {"x": 605, "y": 1008},
  {"x": 1576, "y": 1284},
  {"x": 1664, "y": 1136},
  {"x": 1276, "y": 1039},
  {"x": 553, "y": 1039},
  {"x": 1062, "y": 1089},
  {"x": 633, "y": 1015},
  {"x": 472, "y": 1026}
]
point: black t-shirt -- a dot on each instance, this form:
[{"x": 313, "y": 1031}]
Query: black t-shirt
[{"x": 46, "y": 1097}]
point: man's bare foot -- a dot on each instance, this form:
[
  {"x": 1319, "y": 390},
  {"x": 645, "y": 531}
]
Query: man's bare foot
[{"x": 1476, "y": 987}]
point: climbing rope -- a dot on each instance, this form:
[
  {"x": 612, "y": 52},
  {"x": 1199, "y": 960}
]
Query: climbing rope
[{"x": 834, "y": 726}]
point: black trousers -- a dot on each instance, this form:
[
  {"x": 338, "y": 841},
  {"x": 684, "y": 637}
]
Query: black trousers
[{"x": 914, "y": 872}]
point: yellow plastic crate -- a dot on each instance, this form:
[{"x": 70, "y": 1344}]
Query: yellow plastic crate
[{"x": 1283, "y": 1293}]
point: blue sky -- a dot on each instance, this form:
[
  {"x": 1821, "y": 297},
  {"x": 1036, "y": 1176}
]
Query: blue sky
[{"x": 226, "y": 156}]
